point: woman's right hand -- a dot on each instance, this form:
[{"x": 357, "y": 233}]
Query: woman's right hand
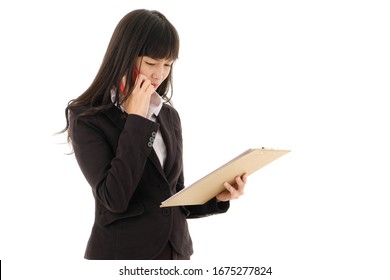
[{"x": 138, "y": 101}]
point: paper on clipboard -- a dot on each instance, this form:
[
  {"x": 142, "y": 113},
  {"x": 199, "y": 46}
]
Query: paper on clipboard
[{"x": 209, "y": 186}]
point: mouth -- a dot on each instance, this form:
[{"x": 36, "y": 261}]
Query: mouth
[{"x": 155, "y": 86}]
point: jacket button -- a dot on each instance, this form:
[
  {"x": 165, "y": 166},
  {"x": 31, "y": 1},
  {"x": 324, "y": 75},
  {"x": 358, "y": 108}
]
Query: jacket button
[
  {"x": 154, "y": 134},
  {"x": 166, "y": 211},
  {"x": 150, "y": 144},
  {"x": 151, "y": 139}
]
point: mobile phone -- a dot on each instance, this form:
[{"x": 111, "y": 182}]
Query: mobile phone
[
  {"x": 122, "y": 87},
  {"x": 134, "y": 75}
]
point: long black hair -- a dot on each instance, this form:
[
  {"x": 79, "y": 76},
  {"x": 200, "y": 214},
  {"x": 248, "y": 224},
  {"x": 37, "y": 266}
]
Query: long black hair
[{"x": 139, "y": 33}]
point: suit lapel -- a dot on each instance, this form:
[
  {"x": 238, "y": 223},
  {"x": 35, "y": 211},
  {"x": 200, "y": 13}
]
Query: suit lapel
[
  {"x": 156, "y": 162},
  {"x": 168, "y": 135}
]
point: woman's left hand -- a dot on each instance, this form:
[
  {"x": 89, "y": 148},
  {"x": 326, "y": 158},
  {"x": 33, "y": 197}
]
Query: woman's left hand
[{"x": 235, "y": 191}]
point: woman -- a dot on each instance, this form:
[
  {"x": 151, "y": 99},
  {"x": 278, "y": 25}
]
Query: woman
[{"x": 127, "y": 141}]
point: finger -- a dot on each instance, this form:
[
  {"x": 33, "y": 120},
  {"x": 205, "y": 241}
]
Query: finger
[
  {"x": 228, "y": 187},
  {"x": 150, "y": 89},
  {"x": 145, "y": 84},
  {"x": 244, "y": 177},
  {"x": 140, "y": 81},
  {"x": 240, "y": 185},
  {"x": 233, "y": 192}
]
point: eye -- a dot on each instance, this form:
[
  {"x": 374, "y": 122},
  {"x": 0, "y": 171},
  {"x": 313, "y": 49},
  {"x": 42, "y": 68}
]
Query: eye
[{"x": 150, "y": 63}]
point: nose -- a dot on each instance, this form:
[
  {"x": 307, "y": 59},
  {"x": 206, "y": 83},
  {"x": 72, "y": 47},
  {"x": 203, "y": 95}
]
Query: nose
[{"x": 158, "y": 74}]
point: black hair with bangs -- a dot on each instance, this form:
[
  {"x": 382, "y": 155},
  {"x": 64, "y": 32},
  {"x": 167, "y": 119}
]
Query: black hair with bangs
[{"x": 139, "y": 33}]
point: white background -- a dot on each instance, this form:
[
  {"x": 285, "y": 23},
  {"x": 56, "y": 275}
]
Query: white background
[{"x": 309, "y": 76}]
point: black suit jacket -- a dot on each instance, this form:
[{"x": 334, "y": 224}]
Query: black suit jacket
[{"x": 115, "y": 153}]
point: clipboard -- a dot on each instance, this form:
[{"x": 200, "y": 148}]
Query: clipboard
[{"x": 212, "y": 184}]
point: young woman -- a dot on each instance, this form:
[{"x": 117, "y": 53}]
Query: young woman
[{"x": 127, "y": 141}]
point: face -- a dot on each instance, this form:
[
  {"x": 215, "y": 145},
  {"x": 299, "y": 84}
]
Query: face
[{"x": 156, "y": 70}]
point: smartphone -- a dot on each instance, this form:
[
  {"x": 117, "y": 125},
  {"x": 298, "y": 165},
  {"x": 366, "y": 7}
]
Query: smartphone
[{"x": 135, "y": 75}]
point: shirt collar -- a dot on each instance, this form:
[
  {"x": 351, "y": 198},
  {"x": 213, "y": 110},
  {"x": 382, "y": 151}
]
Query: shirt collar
[{"x": 155, "y": 105}]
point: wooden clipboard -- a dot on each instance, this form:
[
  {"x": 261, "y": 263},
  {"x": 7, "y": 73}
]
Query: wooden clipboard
[{"x": 209, "y": 186}]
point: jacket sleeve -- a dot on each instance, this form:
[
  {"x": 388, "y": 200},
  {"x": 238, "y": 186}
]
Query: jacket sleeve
[
  {"x": 211, "y": 207},
  {"x": 113, "y": 175}
]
